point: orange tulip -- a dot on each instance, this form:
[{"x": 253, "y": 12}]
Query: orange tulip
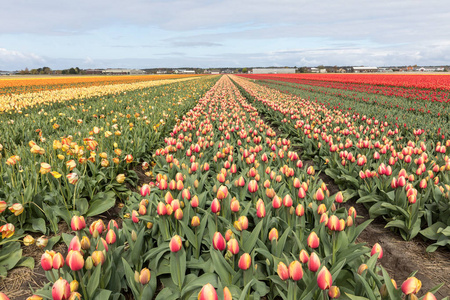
[
  {"x": 304, "y": 256},
  {"x": 144, "y": 276},
  {"x": 377, "y": 249},
  {"x": 77, "y": 223},
  {"x": 98, "y": 257},
  {"x": 334, "y": 292},
  {"x": 219, "y": 241},
  {"x": 233, "y": 246}
]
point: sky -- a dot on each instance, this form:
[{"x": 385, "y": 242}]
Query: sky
[{"x": 222, "y": 33}]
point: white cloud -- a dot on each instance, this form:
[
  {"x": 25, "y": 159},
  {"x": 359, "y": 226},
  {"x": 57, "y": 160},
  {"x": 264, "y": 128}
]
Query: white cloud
[{"x": 11, "y": 60}]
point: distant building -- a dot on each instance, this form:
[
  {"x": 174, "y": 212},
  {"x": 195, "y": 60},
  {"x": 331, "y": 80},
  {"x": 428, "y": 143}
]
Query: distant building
[
  {"x": 274, "y": 71},
  {"x": 365, "y": 69},
  {"x": 123, "y": 72},
  {"x": 93, "y": 71},
  {"x": 184, "y": 72}
]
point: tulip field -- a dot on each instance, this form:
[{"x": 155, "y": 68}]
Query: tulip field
[{"x": 208, "y": 187}]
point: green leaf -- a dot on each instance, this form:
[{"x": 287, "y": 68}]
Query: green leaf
[
  {"x": 129, "y": 275},
  {"x": 353, "y": 297},
  {"x": 102, "y": 294},
  {"x": 251, "y": 241},
  {"x": 26, "y": 262},
  {"x": 199, "y": 282},
  {"x": 94, "y": 281},
  {"x": 39, "y": 225},
  {"x": 104, "y": 202}
]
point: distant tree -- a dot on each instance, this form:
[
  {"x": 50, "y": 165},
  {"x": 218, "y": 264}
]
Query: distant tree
[
  {"x": 72, "y": 71},
  {"x": 321, "y": 67},
  {"x": 244, "y": 70},
  {"x": 302, "y": 70}
]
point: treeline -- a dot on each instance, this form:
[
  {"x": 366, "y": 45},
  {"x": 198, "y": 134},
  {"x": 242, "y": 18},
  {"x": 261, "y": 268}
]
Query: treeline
[{"x": 47, "y": 70}]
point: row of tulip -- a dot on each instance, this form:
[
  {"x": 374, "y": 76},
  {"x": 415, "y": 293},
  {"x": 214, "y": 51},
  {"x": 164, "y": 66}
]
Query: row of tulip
[
  {"x": 76, "y": 157},
  {"x": 21, "y": 85},
  {"x": 400, "y": 112},
  {"x": 398, "y": 175},
  {"x": 233, "y": 214},
  {"x": 432, "y": 82}
]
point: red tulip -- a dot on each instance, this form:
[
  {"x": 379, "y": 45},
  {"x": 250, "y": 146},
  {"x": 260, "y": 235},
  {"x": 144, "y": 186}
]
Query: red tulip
[
  {"x": 161, "y": 209},
  {"x": 175, "y": 243},
  {"x": 61, "y": 290},
  {"x": 411, "y": 286},
  {"x": 58, "y": 261},
  {"x": 4, "y": 297},
  {"x": 282, "y": 271},
  {"x": 75, "y": 244},
  {"x": 299, "y": 210},
  {"x": 234, "y": 205},
  {"x": 339, "y": 197},
  {"x": 319, "y": 195},
  {"x": 273, "y": 234},
  {"x": 75, "y": 260},
  {"x": 145, "y": 190},
  {"x": 47, "y": 260},
  {"x": 304, "y": 256},
  {"x": 377, "y": 249},
  {"x": 222, "y": 192},
  {"x": 324, "y": 279},
  {"x": 110, "y": 237},
  {"x": 276, "y": 202},
  {"x": 245, "y": 261},
  {"x": 287, "y": 201},
  {"x": 260, "y": 209},
  {"x": 252, "y": 186},
  {"x": 314, "y": 262},
  {"x": 215, "y": 206},
  {"x": 207, "y": 293},
  {"x": 194, "y": 201},
  {"x": 77, "y": 223},
  {"x": 219, "y": 241},
  {"x": 233, "y": 246},
  {"x": 295, "y": 270},
  {"x": 313, "y": 240}
]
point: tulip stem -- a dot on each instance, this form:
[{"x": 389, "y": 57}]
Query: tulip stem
[
  {"x": 334, "y": 248},
  {"x": 325, "y": 296}
]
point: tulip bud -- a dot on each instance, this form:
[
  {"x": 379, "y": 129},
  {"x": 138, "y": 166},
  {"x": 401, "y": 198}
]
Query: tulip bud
[
  {"x": 98, "y": 257},
  {"x": 362, "y": 268},
  {"x": 215, "y": 206},
  {"x": 429, "y": 296},
  {"x": 47, "y": 260},
  {"x": 377, "y": 249},
  {"x": 282, "y": 271},
  {"x": 219, "y": 241},
  {"x": 273, "y": 234},
  {"x": 75, "y": 260},
  {"x": 304, "y": 256},
  {"x": 58, "y": 261},
  {"x": 339, "y": 198},
  {"x": 314, "y": 262},
  {"x": 74, "y": 285},
  {"x": 195, "y": 221},
  {"x": 34, "y": 297},
  {"x": 77, "y": 223},
  {"x": 207, "y": 293},
  {"x": 175, "y": 243},
  {"x": 227, "y": 294},
  {"x": 411, "y": 285},
  {"x": 61, "y": 289},
  {"x": 245, "y": 261},
  {"x": 233, "y": 246},
  {"x": 324, "y": 279},
  {"x": 144, "y": 276},
  {"x": 313, "y": 240},
  {"x": 334, "y": 292},
  {"x": 295, "y": 270},
  {"x": 110, "y": 237}
]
